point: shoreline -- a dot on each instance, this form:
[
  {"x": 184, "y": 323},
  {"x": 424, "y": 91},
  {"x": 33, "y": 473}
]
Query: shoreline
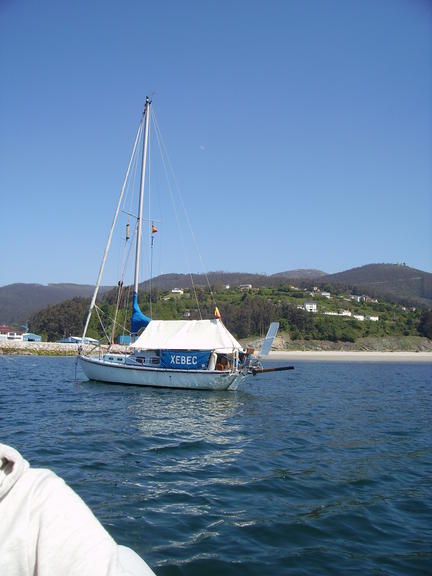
[
  {"x": 57, "y": 349},
  {"x": 342, "y": 356},
  {"x": 19, "y": 348}
]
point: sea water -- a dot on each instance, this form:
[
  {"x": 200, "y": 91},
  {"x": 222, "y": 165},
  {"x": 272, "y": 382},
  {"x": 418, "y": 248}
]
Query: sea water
[{"x": 323, "y": 470}]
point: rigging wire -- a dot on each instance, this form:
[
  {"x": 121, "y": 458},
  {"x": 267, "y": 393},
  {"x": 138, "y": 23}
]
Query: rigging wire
[
  {"x": 101, "y": 323},
  {"x": 100, "y": 313},
  {"x": 129, "y": 187},
  {"x": 99, "y": 278},
  {"x": 130, "y": 198},
  {"x": 126, "y": 257},
  {"x": 162, "y": 142},
  {"x": 126, "y": 307},
  {"x": 119, "y": 295},
  {"x": 165, "y": 159}
]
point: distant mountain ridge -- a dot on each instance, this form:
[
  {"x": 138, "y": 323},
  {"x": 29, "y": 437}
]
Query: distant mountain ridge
[
  {"x": 19, "y": 301},
  {"x": 300, "y": 273},
  {"x": 395, "y": 282},
  {"x": 170, "y": 281}
]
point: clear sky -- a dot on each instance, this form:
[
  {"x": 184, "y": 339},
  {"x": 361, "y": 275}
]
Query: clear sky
[{"x": 300, "y": 131}]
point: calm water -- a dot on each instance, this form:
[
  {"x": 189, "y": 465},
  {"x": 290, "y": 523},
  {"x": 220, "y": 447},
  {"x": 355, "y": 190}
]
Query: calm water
[{"x": 324, "y": 470}]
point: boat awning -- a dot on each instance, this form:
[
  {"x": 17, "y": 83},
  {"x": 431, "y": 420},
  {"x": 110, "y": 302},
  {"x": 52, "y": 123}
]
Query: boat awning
[{"x": 187, "y": 335}]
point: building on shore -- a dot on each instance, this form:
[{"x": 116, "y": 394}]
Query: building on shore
[{"x": 30, "y": 337}]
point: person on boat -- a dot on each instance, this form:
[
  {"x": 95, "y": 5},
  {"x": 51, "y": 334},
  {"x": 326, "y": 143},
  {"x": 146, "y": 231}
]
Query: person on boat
[
  {"x": 47, "y": 530},
  {"x": 222, "y": 363}
]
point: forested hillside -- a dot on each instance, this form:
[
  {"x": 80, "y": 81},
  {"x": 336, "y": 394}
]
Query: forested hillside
[
  {"x": 395, "y": 283},
  {"x": 247, "y": 314},
  {"x": 19, "y": 301}
]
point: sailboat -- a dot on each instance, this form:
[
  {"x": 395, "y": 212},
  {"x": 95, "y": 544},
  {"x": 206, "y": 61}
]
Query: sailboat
[{"x": 192, "y": 354}]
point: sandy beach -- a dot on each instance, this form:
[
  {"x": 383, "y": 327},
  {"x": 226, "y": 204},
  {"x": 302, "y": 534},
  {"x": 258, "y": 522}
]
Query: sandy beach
[
  {"x": 337, "y": 356},
  {"x": 56, "y": 349}
]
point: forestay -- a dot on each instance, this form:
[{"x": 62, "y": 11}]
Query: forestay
[{"x": 187, "y": 335}]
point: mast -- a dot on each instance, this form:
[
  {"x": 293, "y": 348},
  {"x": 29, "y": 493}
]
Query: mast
[{"x": 141, "y": 197}]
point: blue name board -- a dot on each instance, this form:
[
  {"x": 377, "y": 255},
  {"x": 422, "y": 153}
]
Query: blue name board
[{"x": 185, "y": 360}]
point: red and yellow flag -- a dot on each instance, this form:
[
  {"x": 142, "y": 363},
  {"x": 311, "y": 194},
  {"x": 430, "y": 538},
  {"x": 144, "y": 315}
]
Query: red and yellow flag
[
  {"x": 154, "y": 229},
  {"x": 217, "y": 313}
]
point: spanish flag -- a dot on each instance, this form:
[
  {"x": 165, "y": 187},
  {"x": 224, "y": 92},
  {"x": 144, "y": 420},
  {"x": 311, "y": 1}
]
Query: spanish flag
[
  {"x": 154, "y": 229},
  {"x": 217, "y": 313}
]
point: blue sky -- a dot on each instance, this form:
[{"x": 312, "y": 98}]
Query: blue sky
[{"x": 300, "y": 131}]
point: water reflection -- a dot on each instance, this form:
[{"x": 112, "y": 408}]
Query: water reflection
[
  {"x": 193, "y": 412},
  {"x": 172, "y": 434}
]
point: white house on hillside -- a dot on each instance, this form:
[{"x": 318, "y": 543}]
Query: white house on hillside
[{"x": 311, "y": 307}]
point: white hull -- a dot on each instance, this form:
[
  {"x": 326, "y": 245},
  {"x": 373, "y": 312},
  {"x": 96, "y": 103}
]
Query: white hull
[{"x": 103, "y": 371}]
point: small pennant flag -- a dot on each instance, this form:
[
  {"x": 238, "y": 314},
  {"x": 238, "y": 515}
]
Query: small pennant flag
[
  {"x": 217, "y": 313},
  {"x": 154, "y": 229}
]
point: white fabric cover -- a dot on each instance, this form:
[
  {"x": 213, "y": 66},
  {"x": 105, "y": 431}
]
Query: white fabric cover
[
  {"x": 187, "y": 335},
  {"x": 47, "y": 530}
]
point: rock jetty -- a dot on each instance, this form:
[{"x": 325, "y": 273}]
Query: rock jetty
[{"x": 47, "y": 348}]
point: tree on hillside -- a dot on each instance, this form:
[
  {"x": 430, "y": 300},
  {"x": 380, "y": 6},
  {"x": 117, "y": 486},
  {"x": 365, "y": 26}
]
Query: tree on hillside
[
  {"x": 425, "y": 326},
  {"x": 61, "y": 320}
]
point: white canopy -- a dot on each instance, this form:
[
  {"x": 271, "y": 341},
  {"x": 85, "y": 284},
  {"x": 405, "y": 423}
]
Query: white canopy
[{"x": 187, "y": 335}]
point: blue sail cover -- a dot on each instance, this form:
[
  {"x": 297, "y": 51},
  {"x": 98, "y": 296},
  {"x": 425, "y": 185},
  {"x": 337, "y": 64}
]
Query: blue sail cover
[{"x": 138, "y": 320}]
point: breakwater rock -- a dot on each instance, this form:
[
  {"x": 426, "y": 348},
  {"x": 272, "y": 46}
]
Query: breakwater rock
[{"x": 48, "y": 348}]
